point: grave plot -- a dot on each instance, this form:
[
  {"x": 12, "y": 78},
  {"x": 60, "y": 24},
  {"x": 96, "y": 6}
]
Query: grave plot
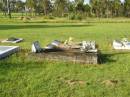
[
  {"x": 69, "y": 56},
  {"x": 12, "y": 40},
  {"x": 123, "y": 44},
  {"x": 84, "y": 52},
  {"x": 5, "y": 51}
]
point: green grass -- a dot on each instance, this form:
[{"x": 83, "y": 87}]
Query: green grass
[{"x": 22, "y": 76}]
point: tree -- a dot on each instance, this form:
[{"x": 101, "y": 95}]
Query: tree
[
  {"x": 127, "y": 8},
  {"x": 87, "y": 9},
  {"x": 19, "y": 6},
  {"x": 95, "y": 7},
  {"x": 31, "y": 4},
  {"x": 60, "y": 7},
  {"x": 8, "y": 8},
  {"x": 80, "y": 6},
  {"x": 116, "y": 7},
  {"x": 1, "y": 6},
  {"x": 106, "y": 8},
  {"x": 71, "y": 6},
  {"x": 46, "y": 5}
]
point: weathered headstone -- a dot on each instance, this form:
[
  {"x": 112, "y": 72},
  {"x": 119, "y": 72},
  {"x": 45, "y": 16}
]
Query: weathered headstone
[{"x": 36, "y": 48}]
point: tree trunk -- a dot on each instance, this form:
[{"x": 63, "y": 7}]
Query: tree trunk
[{"x": 8, "y": 9}]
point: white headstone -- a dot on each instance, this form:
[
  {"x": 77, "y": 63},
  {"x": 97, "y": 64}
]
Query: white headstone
[{"x": 36, "y": 47}]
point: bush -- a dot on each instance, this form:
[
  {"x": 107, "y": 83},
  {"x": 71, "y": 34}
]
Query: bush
[
  {"x": 78, "y": 17},
  {"x": 26, "y": 19},
  {"x": 49, "y": 17},
  {"x": 72, "y": 17},
  {"x": 75, "y": 17},
  {"x": 66, "y": 14}
]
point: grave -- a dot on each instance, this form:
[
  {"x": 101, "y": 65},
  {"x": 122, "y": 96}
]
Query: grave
[
  {"x": 12, "y": 40},
  {"x": 123, "y": 44},
  {"x": 69, "y": 56},
  {"x": 84, "y": 53},
  {"x": 5, "y": 51},
  {"x": 36, "y": 48}
]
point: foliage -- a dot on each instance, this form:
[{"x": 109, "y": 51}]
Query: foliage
[
  {"x": 60, "y": 8},
  {"x": 72, "y": 16}
]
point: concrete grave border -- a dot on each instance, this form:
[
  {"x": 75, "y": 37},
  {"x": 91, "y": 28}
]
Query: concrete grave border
[
  {"x": 10, "y": 50},
  {"x": 17, "y": 41}
]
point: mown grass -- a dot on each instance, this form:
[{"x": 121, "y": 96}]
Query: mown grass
[{"x": 25, "y": 76}]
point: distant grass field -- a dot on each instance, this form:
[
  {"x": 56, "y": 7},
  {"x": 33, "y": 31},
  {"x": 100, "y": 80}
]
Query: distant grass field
[{"x": 22, "y": 76}]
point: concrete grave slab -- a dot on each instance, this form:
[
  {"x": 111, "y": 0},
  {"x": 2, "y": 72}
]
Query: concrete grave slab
[
  {"x": 7, "y": 50},
  {"x": 17, "y": 40}
]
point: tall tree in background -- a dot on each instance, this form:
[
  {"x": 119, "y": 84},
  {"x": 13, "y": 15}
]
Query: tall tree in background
[
  {"x": 31, "y": 4},
  {"x": 60, "y": 7},
  {"x": 127, "y": 8},
  {"x": 106, "y": 8},
  {"x": 79, "y": 1},
  {"x": 8, "y": 8},
  {"x": 46, "y": 5},
  {"x": 95, "y": 7},
  {"x": 116, "y": 7},
  {"x": 71, "y": 7},
  {"x": 79, "y": 5},
  {"x": 19, "y": 6},
  {"x": 1, "y": 6},
  {"x": 87, "y": 9}
]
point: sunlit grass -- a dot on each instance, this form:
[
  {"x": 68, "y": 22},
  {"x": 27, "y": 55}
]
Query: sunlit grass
[{"x": 24, "y": 76}]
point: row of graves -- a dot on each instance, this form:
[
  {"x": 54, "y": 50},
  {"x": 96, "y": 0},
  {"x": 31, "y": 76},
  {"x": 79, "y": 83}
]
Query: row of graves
[{"x": 84, "y": 52}]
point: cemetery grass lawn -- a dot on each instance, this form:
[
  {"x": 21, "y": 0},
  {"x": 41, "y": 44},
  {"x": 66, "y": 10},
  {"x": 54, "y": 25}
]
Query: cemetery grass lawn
[{"x": 22, "y": 76}]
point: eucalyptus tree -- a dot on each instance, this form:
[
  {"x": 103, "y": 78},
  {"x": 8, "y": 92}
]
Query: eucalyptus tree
[
  {"x": 79, "y": 5},
  {"x": 71, "y": 7},
  {"x": 31, "y": 5},
  {"x": 19, "y": 6},
  {"x": 87, "y": 9},
  {"x": 79, "y": 1},
  {"x": 5, "y": 7},
  {"x": 105, "y": 8},
  {"x": 1, "y": 6},
  {"x": 127, "y": 8},
  {"x": 95, "y": 7},
  {"x": 116, "y": 7},
  {"x": 60, "y": 7},
  {"x": 46, "y": 5},
  {"x": 8, "y": 8}
]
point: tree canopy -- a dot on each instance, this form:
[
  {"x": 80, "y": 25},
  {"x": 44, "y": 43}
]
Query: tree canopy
[{"x": 96, "y": 8}]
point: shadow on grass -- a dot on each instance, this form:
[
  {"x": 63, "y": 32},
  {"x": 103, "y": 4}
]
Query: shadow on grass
[
  {"x": 109, "y": 57},
  {"x": 106, "y": 58},
  {"x": 32, "y": 26},
  {"x": 8, "y": 66}
]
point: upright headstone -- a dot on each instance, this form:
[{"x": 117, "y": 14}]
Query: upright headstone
[{"x": 36, "y": 48}]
